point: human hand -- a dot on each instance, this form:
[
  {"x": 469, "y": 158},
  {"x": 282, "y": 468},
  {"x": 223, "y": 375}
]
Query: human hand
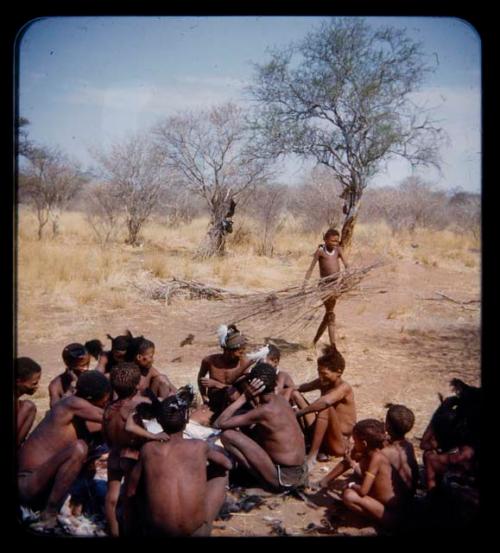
[
  {"x": 255, "y": 388},
  {"x": 162, "y": 437}
]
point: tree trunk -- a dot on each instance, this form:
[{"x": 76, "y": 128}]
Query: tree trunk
[
  {"x": 220, "y": 226},
  {"x": 352, "y": 198},
  {"x": 133, "y": 232}
]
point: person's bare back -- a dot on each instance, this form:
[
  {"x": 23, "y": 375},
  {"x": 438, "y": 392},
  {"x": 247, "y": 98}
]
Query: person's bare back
[
  {"x": 403, "y": 463},
  {"x": 174, "y": 479}
]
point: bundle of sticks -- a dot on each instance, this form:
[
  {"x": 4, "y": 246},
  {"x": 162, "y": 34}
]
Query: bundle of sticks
[{"x": 298, "y": 305}]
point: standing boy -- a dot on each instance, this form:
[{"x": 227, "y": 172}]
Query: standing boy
[{"x": 327, "y": 256}]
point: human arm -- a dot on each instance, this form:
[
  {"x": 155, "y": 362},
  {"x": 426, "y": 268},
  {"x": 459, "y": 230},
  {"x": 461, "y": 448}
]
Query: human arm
[
  {"x": 370, "y": 475},
  {"x": 162, "y": 387},
  {"x": 309, "y": 386},
  {"x": 84, "y": 409},
  {"x": 325, "y": 401},
  {"x": 101, "y": 363},
  {"x": 134, "y": 479},
  {"x": 217, "y": 456},
  {"x": 202, "y": 386},
  {"x": 337, "y": 471},
  {"x": 134, "y": 428},
  {"x": 342, "y": 256},
  {"x": 311, "y": 267},
  {"x": 226, "y": 419},
  {"x": 55, "y": 391}
]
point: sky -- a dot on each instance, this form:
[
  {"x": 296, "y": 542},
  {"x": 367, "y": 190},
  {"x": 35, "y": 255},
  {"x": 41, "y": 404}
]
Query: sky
[{"x": 87, "y": 82}]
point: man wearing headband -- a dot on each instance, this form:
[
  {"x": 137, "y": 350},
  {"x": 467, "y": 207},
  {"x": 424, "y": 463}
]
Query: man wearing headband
[{"x": 223, "y": 369}]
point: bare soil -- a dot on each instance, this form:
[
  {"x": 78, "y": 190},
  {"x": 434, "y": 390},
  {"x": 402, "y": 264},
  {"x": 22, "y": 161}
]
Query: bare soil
[{"x": 402, "y": 343}]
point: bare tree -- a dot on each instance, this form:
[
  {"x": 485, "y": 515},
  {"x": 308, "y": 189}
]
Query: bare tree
[
  {"x": 133, "y": 171},
  {"x": 344, "y": 96},
  {"x": 209, "y": 153},
  {"x": 48, "y": 183},
  {"x": 317, "y": 201},
  {"x": 268, "y": 207},
  {"x": 102, "y": 211}
]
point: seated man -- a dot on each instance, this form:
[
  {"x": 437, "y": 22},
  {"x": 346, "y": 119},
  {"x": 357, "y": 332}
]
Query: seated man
[
  {"x": 223, "y": 370},
  {"x": 28, "y": 373},
  {"x": 51, "y": 458},
  {"x": 276, "y": 452},
  {"x": 173, "y": 496}
]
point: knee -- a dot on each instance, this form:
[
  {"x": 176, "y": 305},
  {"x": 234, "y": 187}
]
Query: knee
[
  {"x": 330, "y": 316},
  {"x": 228, "y": 437},
  {"x": 80, "y": 450},
  {"x": 27, "y": 408},
  {"x": 349, "y": 497}
]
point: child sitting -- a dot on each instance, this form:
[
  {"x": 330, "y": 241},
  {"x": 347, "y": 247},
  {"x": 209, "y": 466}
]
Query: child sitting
[
  {"x": 28, "y": 373},
  {"x": 398, "y": 422},
  {"x": 173, "y": 495},
  {"x": 382, "y": 495},
  {"x": 77, "y": 360},
  {"x": 336, "y": 411},
  {"x": 124, "y": 439}
]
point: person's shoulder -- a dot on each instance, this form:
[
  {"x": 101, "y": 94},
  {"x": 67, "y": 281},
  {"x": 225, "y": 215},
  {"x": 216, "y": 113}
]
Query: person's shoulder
[{"x": 56, "y": 379}]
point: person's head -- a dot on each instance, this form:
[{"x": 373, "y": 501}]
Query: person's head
[
  {"x": 125, "y": 378},
  {"x": 94, "y": 347},
  {"x": 94, "y": 387},
  {"x": 274, "y": 355},
  {"x": 234, "y": 343},
  {"x": 173, "y": 415},
  {"x": 76, "y": 357},
  {"x": 120, "y": 345},
  {"x": 331, "y": 238},
  {"x": 141, "y": 351},
  {"x": 368, "y": 434},
  {"x": 28, "y": 373},
  {"x": 398, "y": 421},
  {"x": 331, "y": 365},
  {"x": 266, "y": 373}
]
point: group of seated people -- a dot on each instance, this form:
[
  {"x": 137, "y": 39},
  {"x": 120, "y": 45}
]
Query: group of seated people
[{"x": 162, "y": 480}]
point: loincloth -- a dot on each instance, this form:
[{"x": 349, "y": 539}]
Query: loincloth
[{"x": 292, "y": 477}]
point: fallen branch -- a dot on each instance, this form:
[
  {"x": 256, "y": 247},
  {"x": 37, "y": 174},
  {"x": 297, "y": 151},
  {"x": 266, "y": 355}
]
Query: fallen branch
[{"x": 462, "y": 304}]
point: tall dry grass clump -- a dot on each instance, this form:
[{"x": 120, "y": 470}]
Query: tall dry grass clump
[{"x": 73, "y": 268}]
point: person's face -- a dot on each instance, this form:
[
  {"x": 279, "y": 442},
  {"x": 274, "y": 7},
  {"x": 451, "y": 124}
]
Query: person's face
[
  {"x": 236, "y": 353},
  {"x": 82, "y": 365},
  {"x": 102, "y": 402},
  {"x": 331, "y": 242},
  {"x": 145, "y": 359},
  {"x": 30, "y": 385},
  {"x": 273, "y": 361},
  {"x": 359, "y": 446},
  {"x": 118, "y": 354},
  {"x": 327, "y": 376}
]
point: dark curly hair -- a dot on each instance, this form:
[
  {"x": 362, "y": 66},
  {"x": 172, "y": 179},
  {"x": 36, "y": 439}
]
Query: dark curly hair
[
  {"x": 124, "y": 379},
  {"x": 266, "y": 373},
  {"x": 73, "y": 353},
  {"x": 371, "y": 431},
  {"x": 173, "y": 415},
  {"x": 332, "y": 359},
  {"x": 92, "y": 386},
  {"x": 399, "y": 420},
  {"x": 25, "y": 367}
]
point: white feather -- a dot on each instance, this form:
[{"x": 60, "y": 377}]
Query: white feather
[
  {"x": 260, "y": 354},
  {"x": 222, "y": 334}
]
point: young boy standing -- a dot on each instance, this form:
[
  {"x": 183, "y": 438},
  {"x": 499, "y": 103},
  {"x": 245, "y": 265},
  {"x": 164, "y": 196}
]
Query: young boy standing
[
  {"x": 28, "y": 373},
  {"x": 328, "y": 256}
]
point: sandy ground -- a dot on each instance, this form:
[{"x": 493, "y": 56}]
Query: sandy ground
[{"x": 402, "y": 343}]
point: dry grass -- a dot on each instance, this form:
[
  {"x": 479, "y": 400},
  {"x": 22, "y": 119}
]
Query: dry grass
[{"x": 73, "y": 269}]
